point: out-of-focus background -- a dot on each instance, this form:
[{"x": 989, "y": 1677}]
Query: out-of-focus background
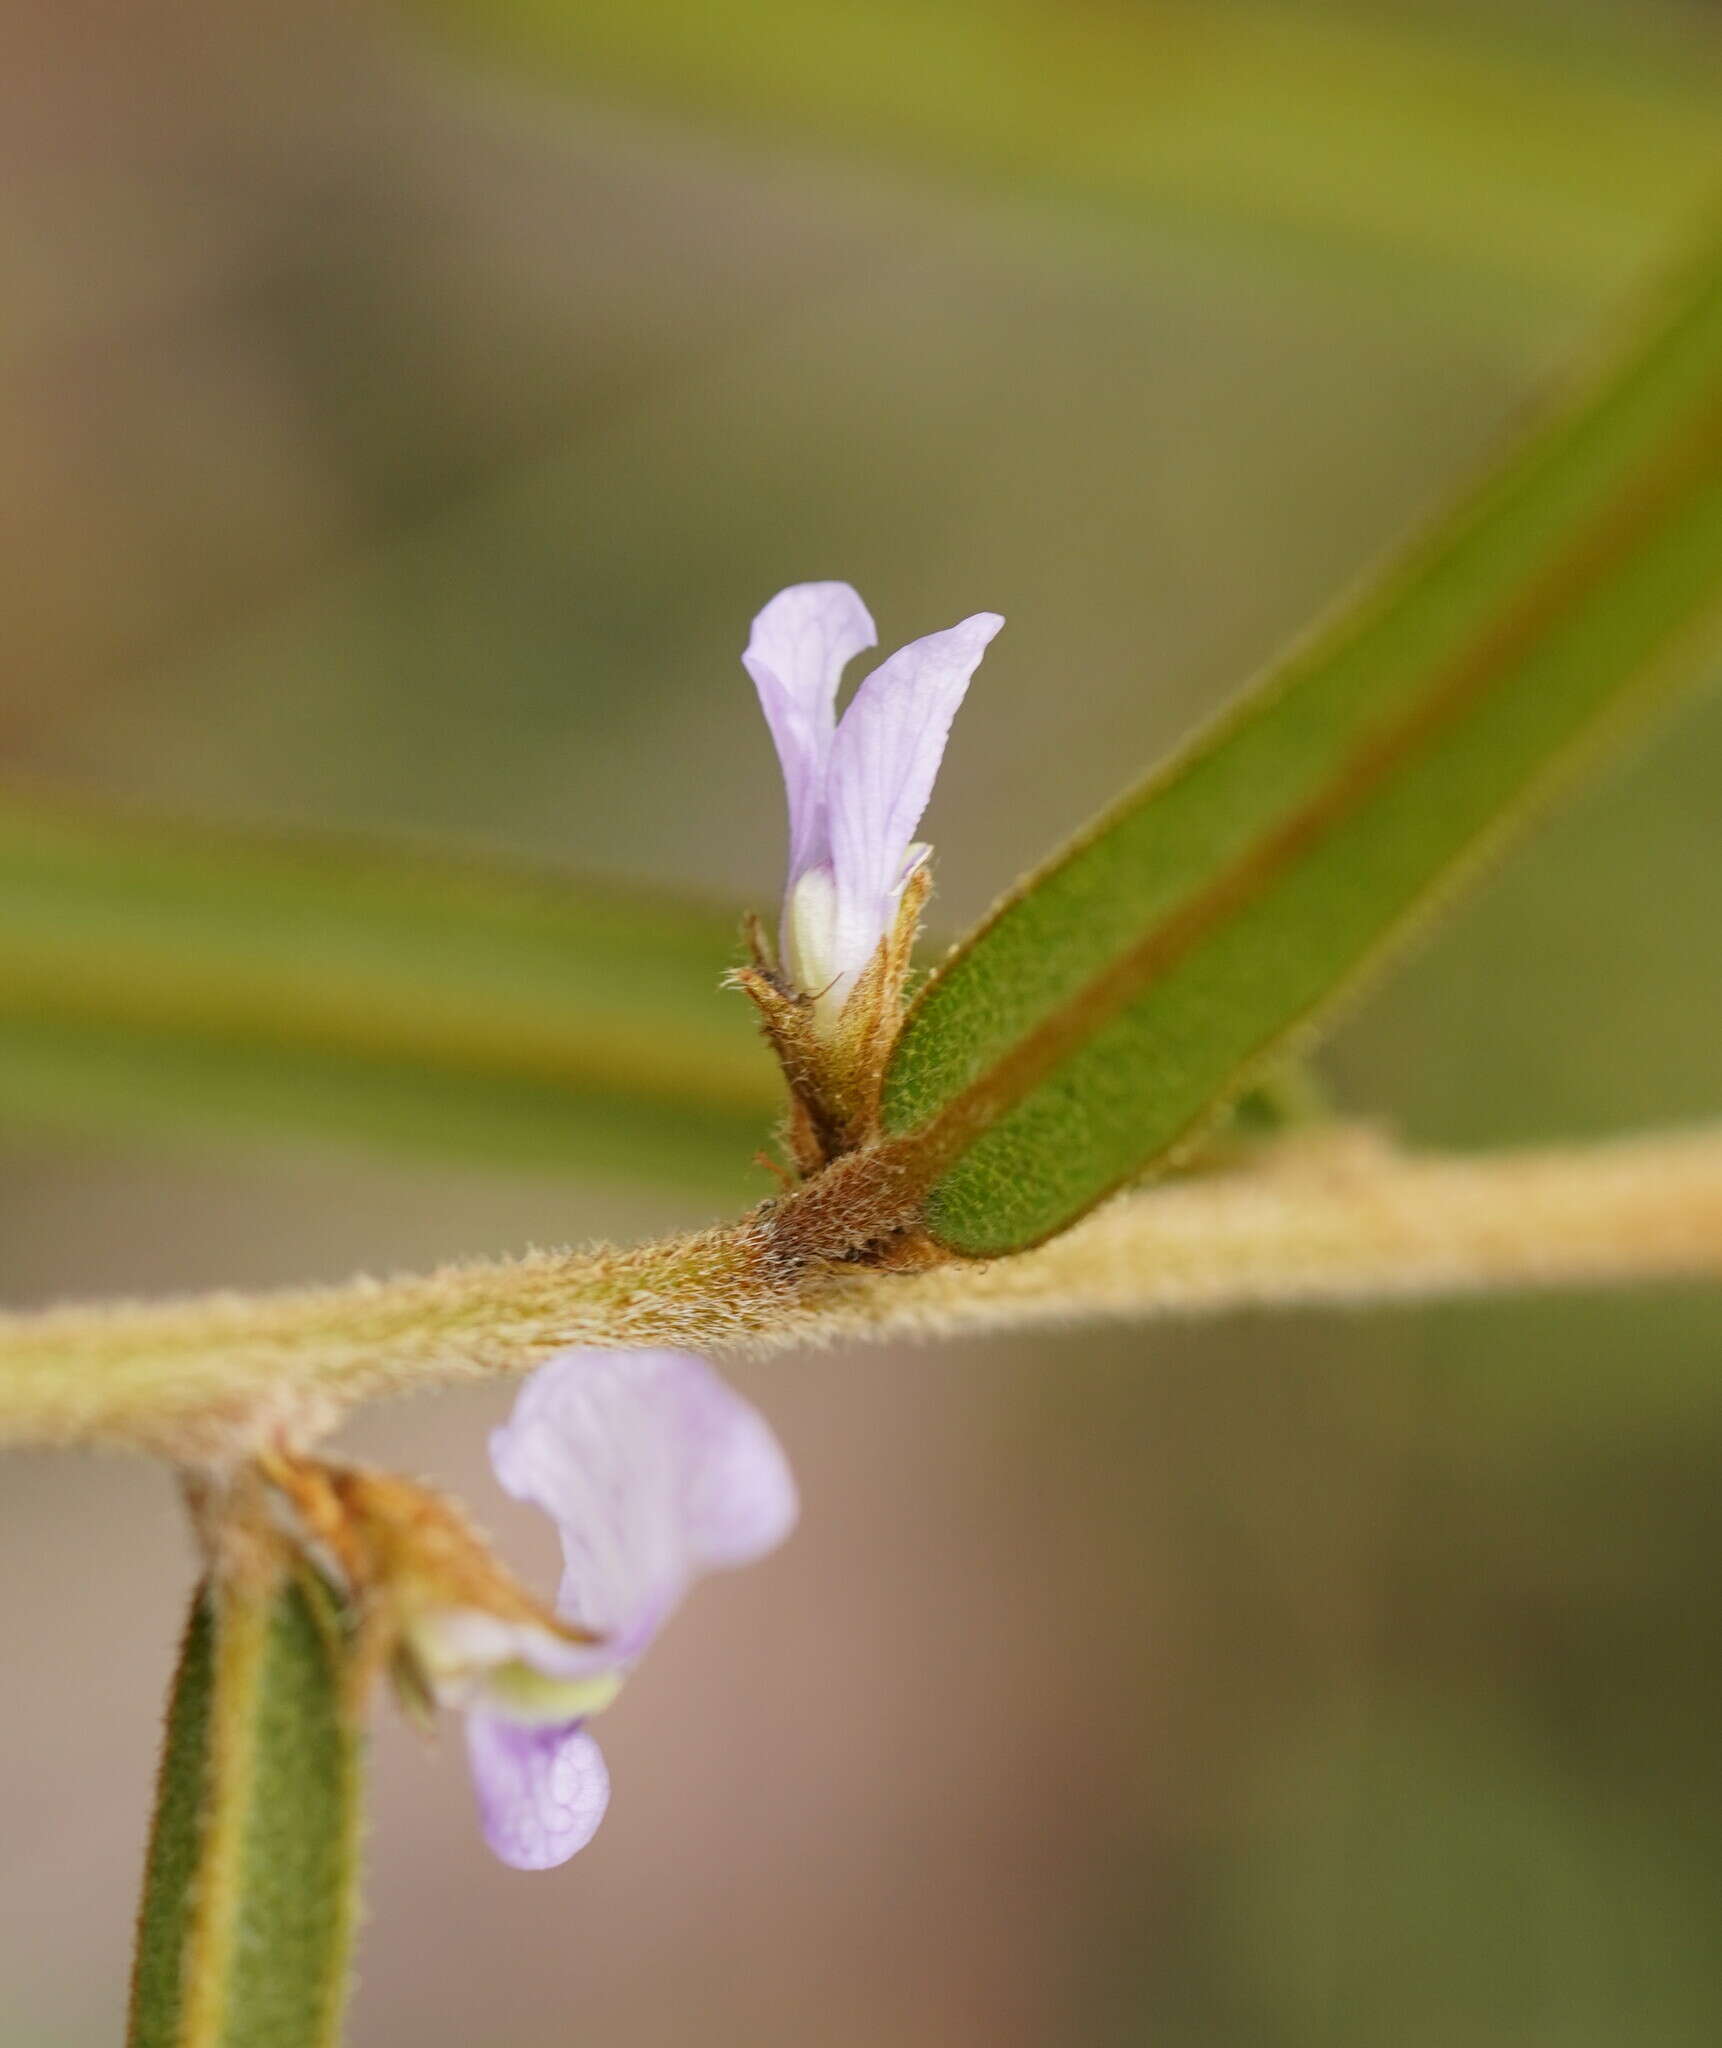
[{"x": 401, "y": 416}]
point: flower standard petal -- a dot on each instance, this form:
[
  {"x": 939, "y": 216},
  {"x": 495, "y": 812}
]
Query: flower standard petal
[
  {"x": 800, "y": 644},
  {"x": 883, "y": 761},
  {"x": 541, "y": 1791},
  {"x": 653, "y": 1471}
]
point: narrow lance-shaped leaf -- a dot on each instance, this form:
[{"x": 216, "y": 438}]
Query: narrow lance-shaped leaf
[
  {"x": 246, "y": 1922},
  {"x": 1507, "y": 176},
  {"x": 194, "y": 978},
  {"x": 1122, "y": 996}
]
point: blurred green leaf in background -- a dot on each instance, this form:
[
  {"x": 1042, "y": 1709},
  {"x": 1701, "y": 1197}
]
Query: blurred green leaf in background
[
  {"x": 1437, "y": 151},
  {"x": 160, "y": 977}
]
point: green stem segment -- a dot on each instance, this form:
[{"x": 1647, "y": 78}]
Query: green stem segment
[{"x": 245, "y": 1928}]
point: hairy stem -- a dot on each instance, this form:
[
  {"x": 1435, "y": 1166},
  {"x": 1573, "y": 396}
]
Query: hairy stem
[{"x": 1333, "y": 1217}]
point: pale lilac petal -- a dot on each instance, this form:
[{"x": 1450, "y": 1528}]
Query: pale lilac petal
[
  {"x": 796, "y": 655},
  {"x": 653, "y": 1471},
  {"x": 738, "y": 1494},
  {"x": 541, "y": 1791},
  {"x": 884, "y": 758}
]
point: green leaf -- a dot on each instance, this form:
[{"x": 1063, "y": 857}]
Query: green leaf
[
  {"x": 160, "y": 978},
  {"x": 1130, "y": 990},
  {"x": 1506, "y": 172},
  {"x": 245, "y": 1929}
]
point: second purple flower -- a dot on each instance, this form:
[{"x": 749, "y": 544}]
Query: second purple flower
[{"x": 856, "y": 786}]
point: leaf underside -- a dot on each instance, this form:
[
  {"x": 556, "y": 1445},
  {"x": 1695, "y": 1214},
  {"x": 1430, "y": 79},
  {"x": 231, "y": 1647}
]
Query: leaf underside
[
  {"x": 245, "y": 1927},
  {"x": 158, "y": 1968},
  {"x": 1131, "y": 989}
]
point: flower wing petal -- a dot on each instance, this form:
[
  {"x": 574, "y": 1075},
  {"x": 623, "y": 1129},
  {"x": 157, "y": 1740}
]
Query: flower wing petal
[
  {"x": 541, "y": 1791},
  {"x": 800, "y": 644},
  {"x": 884, "y": 758},
  {"x": 653, "y": 1471}
]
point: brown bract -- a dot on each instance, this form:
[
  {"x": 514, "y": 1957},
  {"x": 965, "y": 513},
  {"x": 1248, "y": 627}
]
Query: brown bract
[
  {"x": 835, "y": 1079},
  {"x": 403, "y": 1554}
]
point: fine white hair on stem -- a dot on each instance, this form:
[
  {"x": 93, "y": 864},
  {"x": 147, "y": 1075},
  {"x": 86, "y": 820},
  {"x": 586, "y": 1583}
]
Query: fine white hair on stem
[{"x": 1334, "y": 1217}]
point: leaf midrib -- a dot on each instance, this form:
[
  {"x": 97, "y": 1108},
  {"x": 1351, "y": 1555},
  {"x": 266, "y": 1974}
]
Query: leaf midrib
[{"x": 1660, "y": 488}]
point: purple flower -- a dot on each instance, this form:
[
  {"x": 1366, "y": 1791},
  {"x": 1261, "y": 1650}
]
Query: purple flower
[
  {"x": 654, "y": 1472},
  {"x": 857, "y": 787}
]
